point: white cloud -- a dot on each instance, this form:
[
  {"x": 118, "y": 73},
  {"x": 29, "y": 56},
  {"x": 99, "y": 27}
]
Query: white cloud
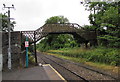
[{"x": 31, "y": 14}]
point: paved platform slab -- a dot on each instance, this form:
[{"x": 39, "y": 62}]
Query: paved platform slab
[
  {"x": 52, "y": 73},
  {"x": 47, "y": 72}
]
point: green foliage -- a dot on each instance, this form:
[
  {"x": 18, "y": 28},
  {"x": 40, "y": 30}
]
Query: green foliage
[
  {"x": 31, "y": 58},
  {"x": 87, "y": 27},
  {"x": 103, "y": 55},
  {"x": 5, "y": 23},
  {"x": 56, "y": 41},
  {"x": 105, "y": 15},
  {"x": 110, "y": 16},
  {"x": 60, "y": 41},
  {"x": 102, "y": 12},
  {"x": 113, "y": 41},
  {"x": 57, "y": 19}
]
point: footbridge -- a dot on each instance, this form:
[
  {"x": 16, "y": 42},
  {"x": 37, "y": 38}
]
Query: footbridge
[
  {"x": 76, "y": 30},
  {"x": 67, "y": 28}
]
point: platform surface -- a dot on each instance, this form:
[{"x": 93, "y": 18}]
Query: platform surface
[
  {"x": 52, "y": 73},
  {"x": 46, "y": 72}
]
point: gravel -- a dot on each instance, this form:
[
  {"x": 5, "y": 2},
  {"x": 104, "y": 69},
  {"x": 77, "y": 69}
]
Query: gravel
[{"x": 81, "y": 70}]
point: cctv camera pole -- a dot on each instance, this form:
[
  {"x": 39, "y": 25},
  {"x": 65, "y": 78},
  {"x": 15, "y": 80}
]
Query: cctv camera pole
[
  {"x": 9, "y": 34},
  {"x": 9, "y": 49}
]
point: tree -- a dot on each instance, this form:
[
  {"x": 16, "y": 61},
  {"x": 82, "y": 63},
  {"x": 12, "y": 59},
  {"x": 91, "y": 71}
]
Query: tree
[
  {"x": 110, "y": 20},
  {"x": 56, "y": 41},
  {"x": 5, "y": 23},
  {"x": 106, "y": 16},
  {"x": 57, "y": 19}
]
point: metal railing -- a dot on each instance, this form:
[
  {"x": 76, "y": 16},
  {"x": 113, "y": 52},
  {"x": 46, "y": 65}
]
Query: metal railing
[{"x": 48, "y": 28}]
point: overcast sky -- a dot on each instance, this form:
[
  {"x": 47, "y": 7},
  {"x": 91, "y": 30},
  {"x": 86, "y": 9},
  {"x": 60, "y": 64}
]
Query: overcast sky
[{"x": 32, "y": 14}]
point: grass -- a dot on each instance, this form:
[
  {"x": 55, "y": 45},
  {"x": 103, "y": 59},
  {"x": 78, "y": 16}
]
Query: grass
[
  {"x": 31, "y": 58},
  {"x": 113, "y": 69},
  {"x": 108, "y": 56},
  {"x": 103, "y": 58},
  {"x": 69, "y": 58}
]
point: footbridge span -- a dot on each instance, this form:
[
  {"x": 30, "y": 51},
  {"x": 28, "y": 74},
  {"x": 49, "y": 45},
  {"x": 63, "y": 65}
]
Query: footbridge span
[
  {"x": 67, "y": 28},
  {"x": 82, "y": 35}
]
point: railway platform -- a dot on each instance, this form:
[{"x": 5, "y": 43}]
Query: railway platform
[{"x": 45, "y": 72}]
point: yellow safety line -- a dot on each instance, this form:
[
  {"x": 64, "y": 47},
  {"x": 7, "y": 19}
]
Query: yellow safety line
[
  {"x": 55, "y": 72},
  {"x": 45, "y": 65}
]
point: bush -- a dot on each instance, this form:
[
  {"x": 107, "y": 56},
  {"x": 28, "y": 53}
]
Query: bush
[
  {"x": 104, "y": 55},
  {"x": 31, "y": 58}
]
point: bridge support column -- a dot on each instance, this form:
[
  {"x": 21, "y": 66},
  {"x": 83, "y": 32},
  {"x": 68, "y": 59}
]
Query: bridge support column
[
  {"x": 86, "y": 44},
  {"x": 35, "y": 49}
]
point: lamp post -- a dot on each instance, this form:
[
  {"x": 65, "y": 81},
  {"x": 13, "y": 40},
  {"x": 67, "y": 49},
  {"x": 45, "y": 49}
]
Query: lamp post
[{"x": 9, "y": 35}]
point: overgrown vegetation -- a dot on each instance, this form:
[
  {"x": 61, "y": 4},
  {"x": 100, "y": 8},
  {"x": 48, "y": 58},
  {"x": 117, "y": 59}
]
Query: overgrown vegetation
[
  {"x": 31, "y": 58},
  {"x": 57, "y": 42},
  {"x": 98, "y": 65},
  {"x": 99, "y": 55},
  {"x": 104, "y": 20}
]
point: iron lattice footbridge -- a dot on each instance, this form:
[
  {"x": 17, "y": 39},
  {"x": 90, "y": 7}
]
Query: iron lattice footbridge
[{"x": 68, "y": 28}]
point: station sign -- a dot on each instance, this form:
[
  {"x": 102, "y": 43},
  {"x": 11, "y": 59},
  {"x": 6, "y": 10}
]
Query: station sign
[{"x": 26, "y": 44}]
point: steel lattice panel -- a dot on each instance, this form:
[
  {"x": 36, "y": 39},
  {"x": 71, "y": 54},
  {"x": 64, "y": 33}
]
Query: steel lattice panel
[{"x": 52, "y": 28}]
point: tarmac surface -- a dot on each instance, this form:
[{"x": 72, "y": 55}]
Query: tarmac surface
[{"x": 45, "y": 72}]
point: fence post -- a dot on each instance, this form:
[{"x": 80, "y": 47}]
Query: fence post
[{"x": 35, "y": 49}]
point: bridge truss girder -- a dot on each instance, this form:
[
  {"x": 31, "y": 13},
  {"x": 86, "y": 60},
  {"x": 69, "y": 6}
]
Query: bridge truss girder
[{"x": 47, "y": 29}]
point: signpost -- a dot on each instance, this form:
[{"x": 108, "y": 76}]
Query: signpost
[{"x": 26, "y": 45}]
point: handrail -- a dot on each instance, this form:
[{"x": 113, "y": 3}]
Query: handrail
[{"x": 37, "y": 34}]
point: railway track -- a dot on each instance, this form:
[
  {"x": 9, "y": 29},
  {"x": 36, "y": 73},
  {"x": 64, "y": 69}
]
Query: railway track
[
  {"x": 87, "y": 68},
  {"x": 69, "y": 74},
  {"x": 81, "y": 78}
]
